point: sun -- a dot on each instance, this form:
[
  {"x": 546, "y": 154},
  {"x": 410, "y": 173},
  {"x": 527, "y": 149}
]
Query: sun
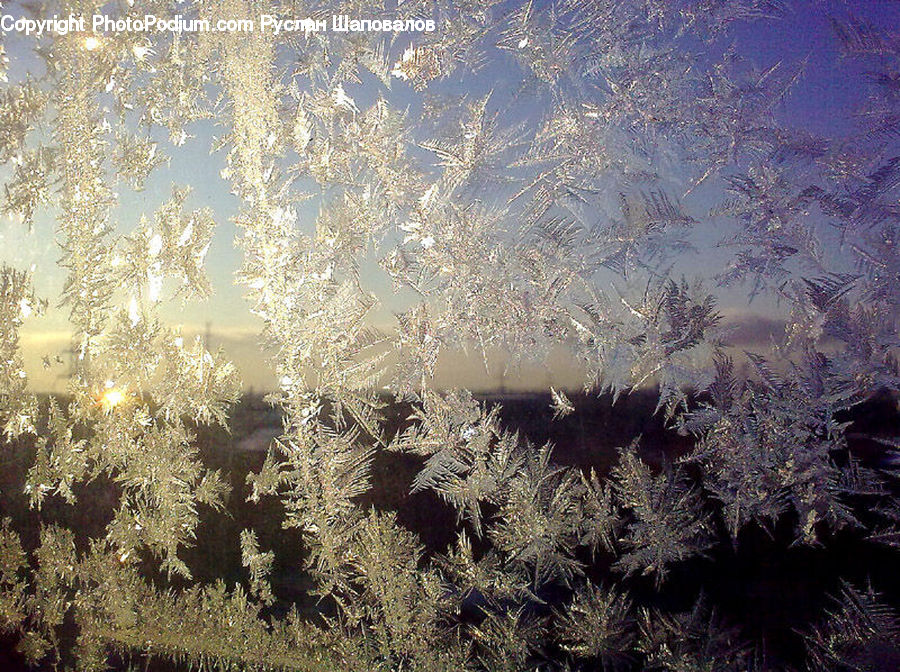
[{"x": 112, "y": 396}]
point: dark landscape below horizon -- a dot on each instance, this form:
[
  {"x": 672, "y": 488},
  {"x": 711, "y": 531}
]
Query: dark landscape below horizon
[{"x": 766, "y": 587}]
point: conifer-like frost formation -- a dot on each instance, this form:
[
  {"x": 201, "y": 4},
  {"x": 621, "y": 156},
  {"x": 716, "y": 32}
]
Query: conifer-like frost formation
[{"x": 526, "y": 179}]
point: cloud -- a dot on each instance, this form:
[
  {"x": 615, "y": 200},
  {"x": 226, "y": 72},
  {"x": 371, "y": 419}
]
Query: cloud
[
  {"x": 748, "y": 330},
  {"x": 242, "y": 344}
]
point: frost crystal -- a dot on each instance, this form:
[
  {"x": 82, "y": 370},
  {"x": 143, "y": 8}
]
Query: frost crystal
[{"x": 527, "y": 179}]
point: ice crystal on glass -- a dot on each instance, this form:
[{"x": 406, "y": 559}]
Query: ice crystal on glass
[{"x": 529, "y": 178}]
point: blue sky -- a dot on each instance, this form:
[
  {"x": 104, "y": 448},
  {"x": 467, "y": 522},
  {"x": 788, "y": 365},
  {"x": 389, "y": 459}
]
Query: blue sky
[{"x": 821, "y": 102}]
